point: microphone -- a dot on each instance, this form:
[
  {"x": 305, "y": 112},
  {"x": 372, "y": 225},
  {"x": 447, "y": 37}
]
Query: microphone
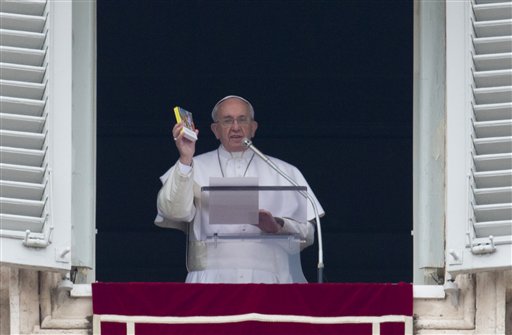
[{"x": 248, "y": 144}]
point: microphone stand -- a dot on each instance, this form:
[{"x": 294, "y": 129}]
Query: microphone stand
[{"x": 320, "y": 274}]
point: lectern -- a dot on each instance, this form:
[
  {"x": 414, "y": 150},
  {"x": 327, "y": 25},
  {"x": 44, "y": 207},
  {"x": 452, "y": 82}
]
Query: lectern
[{"x": 229, "y": 236}]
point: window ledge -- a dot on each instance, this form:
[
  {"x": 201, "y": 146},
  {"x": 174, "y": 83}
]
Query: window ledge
[
  {"x": 419, "y": 291},
  {"x": 428, "y": 292},
  {"x": 81, "y": 291}
]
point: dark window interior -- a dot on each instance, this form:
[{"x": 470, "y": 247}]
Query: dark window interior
[{"x": 331, "y": 84}]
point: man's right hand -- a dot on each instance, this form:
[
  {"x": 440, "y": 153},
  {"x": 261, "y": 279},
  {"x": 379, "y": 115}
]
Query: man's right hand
[{"x": 185, "y": 147}]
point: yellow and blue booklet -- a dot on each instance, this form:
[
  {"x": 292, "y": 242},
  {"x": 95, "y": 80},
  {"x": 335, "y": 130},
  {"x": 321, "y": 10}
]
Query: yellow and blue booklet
[{"x": 189, "y": 130}]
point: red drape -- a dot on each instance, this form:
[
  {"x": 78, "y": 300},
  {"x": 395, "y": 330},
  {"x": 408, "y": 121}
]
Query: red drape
[{"x": 179, "y": 299}]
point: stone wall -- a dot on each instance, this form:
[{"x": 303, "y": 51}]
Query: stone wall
[{"x": 32, "y": 303}]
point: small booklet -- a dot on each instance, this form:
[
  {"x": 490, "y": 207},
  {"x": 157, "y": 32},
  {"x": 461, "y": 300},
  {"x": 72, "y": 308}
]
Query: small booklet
[{"x": 188, "y": 123}]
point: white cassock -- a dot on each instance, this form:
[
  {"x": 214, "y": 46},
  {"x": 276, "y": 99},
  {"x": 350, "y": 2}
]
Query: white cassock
[{"x": 246, "y": 261}]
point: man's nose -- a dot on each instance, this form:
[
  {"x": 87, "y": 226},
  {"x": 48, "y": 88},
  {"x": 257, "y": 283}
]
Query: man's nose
[{"x": 236, "y": 126}]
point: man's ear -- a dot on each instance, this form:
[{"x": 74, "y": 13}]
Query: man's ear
[
  {"x": 215, "y": 130},
  {"x": 254, "y": 127}
]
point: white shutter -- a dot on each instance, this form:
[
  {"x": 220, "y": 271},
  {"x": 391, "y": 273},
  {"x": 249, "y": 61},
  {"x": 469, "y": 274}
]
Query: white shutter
[
  {"x": 488, "y": 240},
  {"x": 32, "y": 229},
  {"x": 491, "y": 174}
]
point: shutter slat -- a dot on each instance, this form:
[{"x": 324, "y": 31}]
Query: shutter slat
[
  {"x": 493, "y": 145},
  {"x": 494, "y": 11},
  {"x": 22, "y": 207},
  {"x": 495, "y": 228},
  {"x": 19, "y": 190},
  {"x": 20, "y": 39},
  {"x": 22, "y": 173},
  {"x": 496, "y": 128},
  {"x": 24, "y": 56},
  {"x": 490, "y": 112},
  {"x": 493, "y": 62},
  {"x": 494, "y": 95},
  {"x": 27, "y": 7},
  {"x": 16, "y": 72},
  {"x": 11, "y": 105},
  {"x": 20, "y": 223},
  {"x": 496, "y": 195},
  {"x": 19, "y": 139},
  {"x": 480, "y": 2},
  {"x": 21, "y": 89},
  {"x": 495, "y": 78},
  {"x": 493, "y": 45},
  {"x": 493, "y": 28},
  {"x": 22, "y": 22},
  {"x": 21, "y": 156},
  {"x": 494, "y": 212},
  {"x": 24, "y": 123},
  {"x": 495, "y": 162},
  {"x": 493, "y": 179}
]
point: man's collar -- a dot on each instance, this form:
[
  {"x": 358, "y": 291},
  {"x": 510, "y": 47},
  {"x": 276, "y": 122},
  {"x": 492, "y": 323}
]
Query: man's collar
[{"x": 227, "y": 155}]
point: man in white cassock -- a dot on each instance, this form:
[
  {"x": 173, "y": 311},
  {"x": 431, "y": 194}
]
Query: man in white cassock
[{"x": 245, "y": 260}]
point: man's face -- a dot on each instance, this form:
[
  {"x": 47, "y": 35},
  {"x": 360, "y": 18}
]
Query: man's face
[{"x": 233, "y": 124}]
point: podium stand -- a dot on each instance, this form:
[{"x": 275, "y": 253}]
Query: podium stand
[{"x": 229, "y": 237}]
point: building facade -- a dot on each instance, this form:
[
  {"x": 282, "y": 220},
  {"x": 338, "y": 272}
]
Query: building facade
[{"x": 462, "y": 166}]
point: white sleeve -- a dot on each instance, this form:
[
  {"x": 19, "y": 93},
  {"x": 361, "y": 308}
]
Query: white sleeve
[
  {"x": 306, "y": 231},
  {"x": 184, "y": 169},
  {"x": 175, "y": 199}
]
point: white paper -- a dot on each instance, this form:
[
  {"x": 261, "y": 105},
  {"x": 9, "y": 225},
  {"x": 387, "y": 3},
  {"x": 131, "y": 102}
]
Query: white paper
[{"x": 233, "y": 206}]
